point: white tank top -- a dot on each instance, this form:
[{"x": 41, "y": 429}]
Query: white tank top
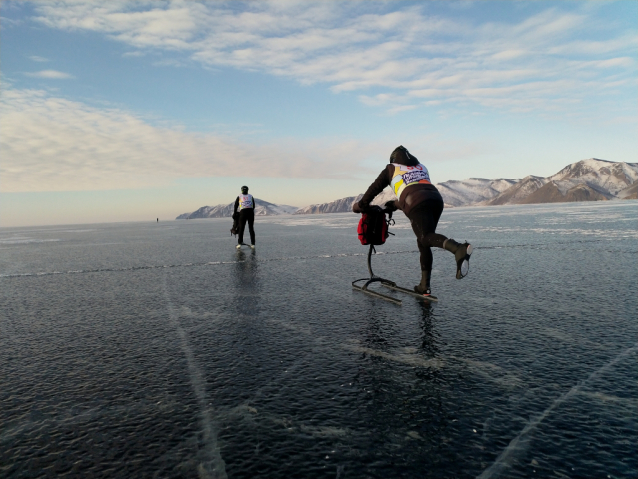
[
  {"x": 405, "y": 176},
  {"x": 246, "y": 201}
]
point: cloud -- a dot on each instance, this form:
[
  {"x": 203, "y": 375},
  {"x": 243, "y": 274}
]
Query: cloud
[
  {"x": 169, "y": 62},
  {"x": 615, "y": 62},
  {"x": 135, "y": 53},
  {"x": 36, "y": 58},
  {"x": 54, "y": 144},
  {"x": 398, "y": 109},
  {"x": 9, "y": 22},
  {"x": 353, "y": 46},
  {"x": 53, "y": 74}
]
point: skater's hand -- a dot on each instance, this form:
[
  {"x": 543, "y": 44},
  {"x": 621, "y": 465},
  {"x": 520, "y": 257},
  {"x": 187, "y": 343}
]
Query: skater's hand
[{"x": 391, "y": 205}]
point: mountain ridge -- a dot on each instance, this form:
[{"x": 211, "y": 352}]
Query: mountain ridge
[
  {"x": 263, "y": 208},
  {"x": 592, "y": 179},
  {"x": 586, "y": 180}
]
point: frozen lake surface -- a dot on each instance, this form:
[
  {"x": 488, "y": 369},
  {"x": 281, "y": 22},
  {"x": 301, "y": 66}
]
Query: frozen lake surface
[{"x": 158, "y": 350}]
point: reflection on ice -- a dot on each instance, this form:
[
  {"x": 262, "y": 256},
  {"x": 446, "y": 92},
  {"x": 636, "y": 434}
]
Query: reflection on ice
[
  {"x": 493, "y": 373},
  {"x": 405, "y": 358}
]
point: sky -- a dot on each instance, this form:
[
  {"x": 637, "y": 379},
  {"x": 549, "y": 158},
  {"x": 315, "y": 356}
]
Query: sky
[{"x": 136, "y": 110}]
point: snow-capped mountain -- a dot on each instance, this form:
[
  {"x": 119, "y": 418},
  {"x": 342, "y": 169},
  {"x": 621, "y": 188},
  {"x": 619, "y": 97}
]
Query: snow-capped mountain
[
  {"x": 604, "y": 176},
  {"x": 263, "y": 208},
  {"x": 518, "y": 191},
  {"x": 344, "y": 205},
  {"x": 586, "y": 180},
  {"x": 338, "y": 206},
  {"x": 454, "y": 192},
  {"x": 473, "y": 190}
]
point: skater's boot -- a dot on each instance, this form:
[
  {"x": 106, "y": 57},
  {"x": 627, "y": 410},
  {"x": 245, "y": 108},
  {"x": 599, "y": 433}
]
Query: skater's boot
[
  {"x": 424, "y": 287},
  {"x": 238, "y": 246},
  {"x": 462, "y": 253}
]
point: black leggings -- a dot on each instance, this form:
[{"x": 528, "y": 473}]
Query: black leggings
[
  {"x": 246, "y": 215},
  {"x": 424, "y": 218}
]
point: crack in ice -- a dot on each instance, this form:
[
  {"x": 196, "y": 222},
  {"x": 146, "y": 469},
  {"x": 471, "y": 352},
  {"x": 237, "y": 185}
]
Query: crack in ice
[
  {"x": 213, "y": 467},
  {"x": 516, "y": 445}
]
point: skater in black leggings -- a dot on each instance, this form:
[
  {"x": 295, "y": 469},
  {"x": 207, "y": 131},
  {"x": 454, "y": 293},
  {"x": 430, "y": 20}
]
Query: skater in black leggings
[
  {"x": 422, "y": 203},
  {"x": 245, "y": 204}
]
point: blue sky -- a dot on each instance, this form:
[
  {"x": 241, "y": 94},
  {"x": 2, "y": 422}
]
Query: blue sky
[{"x": 121, "y": 111}]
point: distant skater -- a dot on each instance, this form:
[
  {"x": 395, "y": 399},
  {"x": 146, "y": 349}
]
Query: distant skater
[
  {"x": 245, "y": 204},
  {"x": 158, "y": 220},
  {"x": 422, "y": 203}
]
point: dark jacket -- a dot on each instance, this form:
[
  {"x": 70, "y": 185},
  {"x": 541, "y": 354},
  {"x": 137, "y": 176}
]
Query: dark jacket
[{"x": 410, "y": 197}]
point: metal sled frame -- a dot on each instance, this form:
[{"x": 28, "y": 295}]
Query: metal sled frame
[
  {"x": 384, "y": 282},
  {"x": 375, "y": 279}
]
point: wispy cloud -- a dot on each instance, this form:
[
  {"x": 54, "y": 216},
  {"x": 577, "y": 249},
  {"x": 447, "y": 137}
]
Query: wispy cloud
[
  {"x": 36, "y": 58},
  {"x": 169, "y": 62},
  {"x": 53, "y": 144},
  {"x": 362, "y": 45},
  {"x": 9, "y": 22},
  {"x": 52, "y": 74}
]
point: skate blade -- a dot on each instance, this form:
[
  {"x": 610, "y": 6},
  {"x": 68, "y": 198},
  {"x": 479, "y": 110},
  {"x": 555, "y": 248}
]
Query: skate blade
[
  {"x": 465, "y": 268},
  {"x": 378, "y": 295},
  {"x": 410, "y": 292}
]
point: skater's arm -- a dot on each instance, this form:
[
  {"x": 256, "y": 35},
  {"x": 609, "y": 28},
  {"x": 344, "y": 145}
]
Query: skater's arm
[
  {"x": 236, "y": 206},
  {"x": 375, "y": 188}
]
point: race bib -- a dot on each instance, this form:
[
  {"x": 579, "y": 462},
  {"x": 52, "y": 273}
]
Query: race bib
[
  {"x": 245, "y": 201},
  {"x": 415, "y": 176},
  {"x": 408, "y": 175}
]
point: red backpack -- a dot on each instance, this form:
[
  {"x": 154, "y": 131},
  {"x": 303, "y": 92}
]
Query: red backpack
[{"x": 373, "y": 227}]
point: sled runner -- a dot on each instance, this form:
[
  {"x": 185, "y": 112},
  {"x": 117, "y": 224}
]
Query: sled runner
[{"x": 391, "y": 285}]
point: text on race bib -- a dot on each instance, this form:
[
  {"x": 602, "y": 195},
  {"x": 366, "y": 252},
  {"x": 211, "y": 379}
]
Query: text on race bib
[{"x": 414, "y": 177}]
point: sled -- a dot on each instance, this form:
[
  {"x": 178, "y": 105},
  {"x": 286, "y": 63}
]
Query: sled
[{"x": 384, "y": 282}]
